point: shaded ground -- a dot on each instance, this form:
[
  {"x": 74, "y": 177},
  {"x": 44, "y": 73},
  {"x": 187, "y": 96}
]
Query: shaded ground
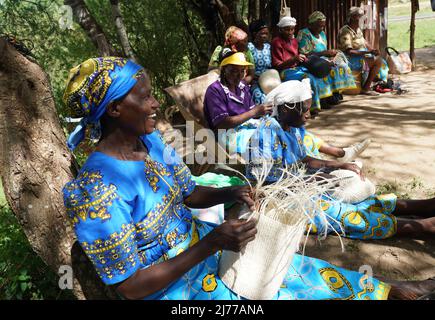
[{"x": 401, "y": 158}]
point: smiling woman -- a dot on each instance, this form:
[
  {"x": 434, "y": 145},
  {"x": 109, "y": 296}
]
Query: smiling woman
[{"x": 128, "y": 204}]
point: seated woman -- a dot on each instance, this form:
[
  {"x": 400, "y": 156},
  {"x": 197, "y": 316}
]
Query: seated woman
[
  {"x": 129, "y": 205},
  {"x": 362, "y": 58},
  {"x": 287, "y": 60},
  {"x": 376, "y": 217},
  {"x": 237, "y": 40},
  {"x": 228, "y": 104},
  {"x": 261, "y": 51},
  {"x": 316, "y": 147},
  {"x": 312, "y": 41}
]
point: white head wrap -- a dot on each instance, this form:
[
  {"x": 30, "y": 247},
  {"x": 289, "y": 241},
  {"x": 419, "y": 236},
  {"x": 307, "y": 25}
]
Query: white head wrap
[
  {"x": 292, "y": 91},
  {"x": 287, "y": 22},
  {"x": 355, "y": 11}
]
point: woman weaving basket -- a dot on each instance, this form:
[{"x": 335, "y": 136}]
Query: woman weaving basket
[
  {"x": 129, "y": 204},
  {"x": 312, "y": 41},
  {"x": 228, "y": 103},
  {"x": 365, "y": 62},
  {"x": 265, "y": 77},
  {"x": 376, "y": 217},
  {"x": 287, "y": 59}
]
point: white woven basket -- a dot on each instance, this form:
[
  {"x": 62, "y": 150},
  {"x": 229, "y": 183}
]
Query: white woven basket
[
  {"x": 283, "y": 210},
  {"x": 352, "y": 189},
  {"x": 258, "y": 271}
]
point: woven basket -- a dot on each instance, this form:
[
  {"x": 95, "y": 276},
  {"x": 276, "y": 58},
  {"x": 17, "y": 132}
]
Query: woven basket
[
  {"x": 352, "y": 189},
  {"x": 258, "y": 271},
  {"x": 269, "y": 80}
]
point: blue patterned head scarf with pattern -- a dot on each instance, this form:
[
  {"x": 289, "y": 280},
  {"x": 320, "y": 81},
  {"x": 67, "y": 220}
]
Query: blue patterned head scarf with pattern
[{"x": 92, "y": 86}]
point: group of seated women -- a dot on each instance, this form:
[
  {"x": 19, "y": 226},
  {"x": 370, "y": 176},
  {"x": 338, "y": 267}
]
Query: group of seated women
[
  {"x": 295, "y": 58},
  {"x": 130, "y": 204}
]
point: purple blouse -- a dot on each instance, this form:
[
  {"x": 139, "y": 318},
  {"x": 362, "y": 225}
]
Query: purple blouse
[{"x": 220, "y": 102}]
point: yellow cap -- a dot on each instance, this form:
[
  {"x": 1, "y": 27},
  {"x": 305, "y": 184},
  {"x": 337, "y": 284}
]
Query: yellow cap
[{"x": 237, "y": 59}]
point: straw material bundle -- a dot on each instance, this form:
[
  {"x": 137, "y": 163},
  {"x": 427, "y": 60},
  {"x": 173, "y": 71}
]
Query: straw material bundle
[{"x": 283, "y": 210}]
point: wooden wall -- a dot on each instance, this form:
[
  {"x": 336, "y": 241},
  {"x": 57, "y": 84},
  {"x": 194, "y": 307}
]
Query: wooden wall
[{"x": 336, "y": 12}]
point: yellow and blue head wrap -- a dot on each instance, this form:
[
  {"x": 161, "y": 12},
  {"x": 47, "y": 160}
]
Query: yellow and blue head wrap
[{"x": 92, "y": 86}]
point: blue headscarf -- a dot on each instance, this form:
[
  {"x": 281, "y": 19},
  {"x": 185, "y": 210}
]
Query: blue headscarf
[{"x": 92, "y": 86}]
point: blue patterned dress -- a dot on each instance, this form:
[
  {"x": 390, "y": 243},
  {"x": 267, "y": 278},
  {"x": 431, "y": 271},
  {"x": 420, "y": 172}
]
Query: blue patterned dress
[
  {"x": 358, "y": 64},
  {"x": 340, "y": 77},
  {"x": 369, "y": 219},
  {"x": 130, "y": 215},
  {"x": 263, "y": 62}
]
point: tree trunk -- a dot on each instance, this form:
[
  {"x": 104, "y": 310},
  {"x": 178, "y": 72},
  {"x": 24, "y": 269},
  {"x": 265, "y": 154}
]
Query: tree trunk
[
  {"x": 121, "y": 30},
  {"x": 229, "y": 14},
  {"x": 35, "y": 165},
  {"x": 252, "y": 10},
  {"x": 414, "y": 9},
  {"x": 91, "y": 27},
  {"x": 210, "y": 18},
  {"x": 199, "y": 58}
]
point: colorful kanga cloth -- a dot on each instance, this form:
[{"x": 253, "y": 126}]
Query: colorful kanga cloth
[
  {"x": 351, "y": 39},
  {"x": 312, "y": 145},
  {"x": 263, "y": 62},
  {"x": 129, "y": 215},
  {"x": 92, "y": 86},
  {"x": 219, "y": 103},
  {"x": 340, "y": 77},
  {"x": 369, "y": 219},
  {"x": 282, "y": 50}
]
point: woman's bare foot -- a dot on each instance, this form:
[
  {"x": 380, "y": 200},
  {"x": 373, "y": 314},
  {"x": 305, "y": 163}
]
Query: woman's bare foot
[
  {"x": 415, "y": 227},
  {"x": 411, "y": 290}
]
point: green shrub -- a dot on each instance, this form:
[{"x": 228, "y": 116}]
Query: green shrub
[{"x": 23, "y": 275}]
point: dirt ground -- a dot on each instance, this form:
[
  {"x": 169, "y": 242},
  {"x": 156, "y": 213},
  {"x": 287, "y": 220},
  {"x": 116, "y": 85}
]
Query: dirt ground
[{"x": 401, "y": 159}]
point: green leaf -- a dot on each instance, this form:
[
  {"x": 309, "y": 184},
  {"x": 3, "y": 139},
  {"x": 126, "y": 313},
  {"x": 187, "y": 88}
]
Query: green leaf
[
  {"x": 23, "y": 286},
  {"x": 23, "y": 276}
]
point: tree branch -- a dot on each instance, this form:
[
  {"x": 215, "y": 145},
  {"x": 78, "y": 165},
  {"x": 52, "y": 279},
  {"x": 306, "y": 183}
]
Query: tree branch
[
  {"x": 91, "y": 27},
  {"x": 121, "y": 30}
]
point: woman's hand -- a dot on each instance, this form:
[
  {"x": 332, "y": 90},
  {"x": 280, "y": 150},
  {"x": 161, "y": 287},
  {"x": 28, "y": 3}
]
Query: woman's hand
[
  {"x": 262, "y": 109},
  {"x": 352, "y": 167},
  {"x": 301, "y": 58},
  {"x": 243, "y": 195},
  {"x": 330, "y": 53},
  {"x": 232, "y": 235}
]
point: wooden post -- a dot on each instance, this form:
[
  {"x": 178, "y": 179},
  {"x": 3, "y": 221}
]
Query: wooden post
[
  {"x": 414, "y": 8},
  {"x": 383, "y": 25}
]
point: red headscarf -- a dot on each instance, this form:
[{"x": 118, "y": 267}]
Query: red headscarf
[{"x": 233, "y": 35}]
